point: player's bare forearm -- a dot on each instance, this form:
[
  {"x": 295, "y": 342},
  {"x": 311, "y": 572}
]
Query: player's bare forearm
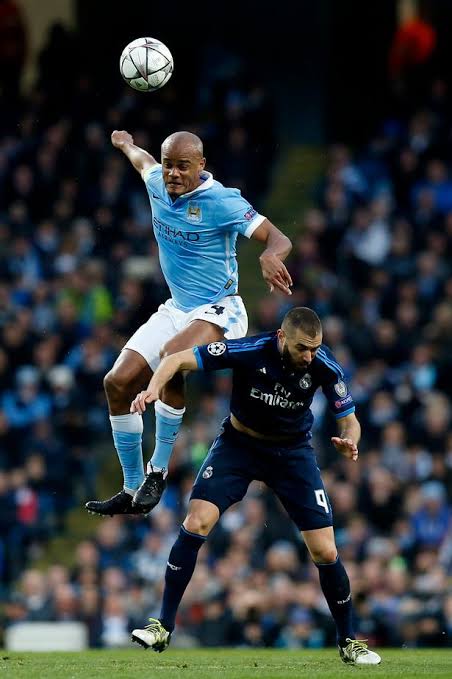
[
  {"x": 168, "y": 367},
  {"x": 271, "y": 260},
  {"x": 349, "y": 430},
  {"x": 278, "y": 244},
  {"x": 140, "y": 159}
]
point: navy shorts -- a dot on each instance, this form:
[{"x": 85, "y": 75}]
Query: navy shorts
[{"x": 235, "y": 459}]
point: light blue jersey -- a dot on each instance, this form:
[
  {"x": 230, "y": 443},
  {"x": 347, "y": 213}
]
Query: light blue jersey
[{"x": 196, "y": 235}]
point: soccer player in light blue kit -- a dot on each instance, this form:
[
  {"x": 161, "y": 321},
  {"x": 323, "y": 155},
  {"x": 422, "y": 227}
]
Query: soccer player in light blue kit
[{"x": 196, "y": 221}]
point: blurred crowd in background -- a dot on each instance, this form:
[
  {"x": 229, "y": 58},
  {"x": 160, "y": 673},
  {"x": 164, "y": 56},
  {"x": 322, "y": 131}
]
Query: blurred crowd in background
[{"x": 79, "y": 273}]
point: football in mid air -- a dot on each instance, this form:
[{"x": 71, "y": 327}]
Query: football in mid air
[{"x": 146, "y": 64}]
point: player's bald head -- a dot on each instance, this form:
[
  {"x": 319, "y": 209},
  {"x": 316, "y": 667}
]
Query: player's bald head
[
  {"x": 183, "y": 144},
  {"x": 182, "y": 163}
]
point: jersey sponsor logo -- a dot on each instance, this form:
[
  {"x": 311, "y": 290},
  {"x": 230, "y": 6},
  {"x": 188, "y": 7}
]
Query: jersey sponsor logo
[
  {"x": 177, "y": 236},
  {"x": 194, "y": 213},
  {"x": 343, "y": 401},
  {"x": 341, "y": 389},
  {"x": 279, "y": 389},
  {"x": 250, "y": 214},
  {"x": 207, "y": 473},
  {"x": 277, "y": 400},
  {"x": 216, "y": 348},
  {"x": 306, "y": 381}
]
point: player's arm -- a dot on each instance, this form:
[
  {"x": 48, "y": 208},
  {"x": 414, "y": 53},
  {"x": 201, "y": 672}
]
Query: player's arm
[
  {"x": 168, "y": 367},
  {"x": 271, "y": 260},
  {"x": 140, "y": 159},
  {"x": 349, "y": 433},
  {"x": 213, "y": 356},
  {"x": 341, "y": 404}
]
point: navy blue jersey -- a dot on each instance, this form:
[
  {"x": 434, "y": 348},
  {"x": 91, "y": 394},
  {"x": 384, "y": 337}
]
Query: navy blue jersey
[{"x": 267, "y": 395}]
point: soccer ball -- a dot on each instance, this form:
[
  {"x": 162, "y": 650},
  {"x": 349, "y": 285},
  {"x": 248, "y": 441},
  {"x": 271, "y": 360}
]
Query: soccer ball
[{"x": 146, "y": 64}]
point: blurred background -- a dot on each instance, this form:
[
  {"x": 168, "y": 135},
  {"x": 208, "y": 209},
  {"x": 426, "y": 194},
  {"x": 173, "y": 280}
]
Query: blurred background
[{"x": 334, "y": 118}]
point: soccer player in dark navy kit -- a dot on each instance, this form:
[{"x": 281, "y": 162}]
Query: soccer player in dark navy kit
[{"x": 266, "y": 438}]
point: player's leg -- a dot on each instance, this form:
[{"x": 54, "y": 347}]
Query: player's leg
[
  {"x": 208, "y": 323},
  {"x": 129, "y": 375},
  {"x": 170, "y": 408},
  {"x": 169, "y": 412},
  {"x": 298, "y": 484},
  {"x": 336, "y": 589},
  {"x": 333, "y": 580},
  {"x": 222, "y": 481},
  {"x": 201, "y": 518}
]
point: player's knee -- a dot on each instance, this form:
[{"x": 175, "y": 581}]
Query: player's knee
[
  {"x": 170, "y": 347},
  {"x": 116, "y": 384},
  {"x": 324, "y": 554},
  {"x": 198, "y": 523}
]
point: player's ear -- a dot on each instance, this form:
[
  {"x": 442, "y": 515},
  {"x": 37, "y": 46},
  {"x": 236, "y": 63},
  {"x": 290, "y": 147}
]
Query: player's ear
[{"x": 202, "y": 164}]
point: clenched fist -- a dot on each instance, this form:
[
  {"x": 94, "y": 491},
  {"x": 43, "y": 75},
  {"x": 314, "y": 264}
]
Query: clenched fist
[{"x": 121, "y": 137}]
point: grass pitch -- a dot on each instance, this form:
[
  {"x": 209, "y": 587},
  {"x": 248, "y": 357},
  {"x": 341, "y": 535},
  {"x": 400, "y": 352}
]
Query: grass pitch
[{"x": 221, "y": 663}]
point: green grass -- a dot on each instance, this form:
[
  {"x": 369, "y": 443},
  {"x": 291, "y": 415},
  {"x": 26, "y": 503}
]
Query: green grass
[{"x": 220, "y": 663}]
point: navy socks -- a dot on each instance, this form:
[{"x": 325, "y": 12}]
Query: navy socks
[
  {"x": 336, "y": 588},
  {"x": 179, "y": 569}
]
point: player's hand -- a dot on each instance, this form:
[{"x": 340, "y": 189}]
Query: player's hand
[
  {"x": 140, "y": 401},
  {"x": 275, "y": 273},
  {"x": 346, "y": 447},
  {"x": 121, "y": 137}
]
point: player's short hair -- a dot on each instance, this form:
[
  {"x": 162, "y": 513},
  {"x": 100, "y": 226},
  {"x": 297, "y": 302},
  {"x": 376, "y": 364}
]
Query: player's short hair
[{"x": 302, "y": 318}]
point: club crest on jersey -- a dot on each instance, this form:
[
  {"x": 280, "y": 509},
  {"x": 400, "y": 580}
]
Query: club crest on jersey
[
  {"x": 194, "y": 212},
  {"x": 207, "y": 473},
  {"x": 216, "y": 348},
  {"x": 306, "y": 381},
  {"x": 340, "y": 388}
]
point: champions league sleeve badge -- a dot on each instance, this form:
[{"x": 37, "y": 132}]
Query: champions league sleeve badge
[{"x": 216, "y": 348}]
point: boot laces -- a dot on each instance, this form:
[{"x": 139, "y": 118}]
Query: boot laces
[
  {"x": 357, "y": 646},
  {"x": 154, "y": 625}
]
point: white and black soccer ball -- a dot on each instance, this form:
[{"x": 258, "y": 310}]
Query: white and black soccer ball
[{"x": 146, "y": 64}]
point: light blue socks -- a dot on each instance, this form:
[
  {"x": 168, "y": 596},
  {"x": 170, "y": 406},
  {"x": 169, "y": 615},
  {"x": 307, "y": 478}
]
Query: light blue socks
[
  {"x": 127, "y": 435},
  {"x": 167, "y": 424}
]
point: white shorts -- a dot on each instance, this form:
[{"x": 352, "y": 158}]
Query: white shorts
[{"x": 228, "y": 313}]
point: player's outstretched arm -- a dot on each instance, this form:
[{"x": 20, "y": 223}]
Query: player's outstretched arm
[
  {"x": 168, "y": 367},
  {"x": 140, "y": 159},
  {"x": 349, "y": 434},
  {"x": 271, "y": 260}
]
